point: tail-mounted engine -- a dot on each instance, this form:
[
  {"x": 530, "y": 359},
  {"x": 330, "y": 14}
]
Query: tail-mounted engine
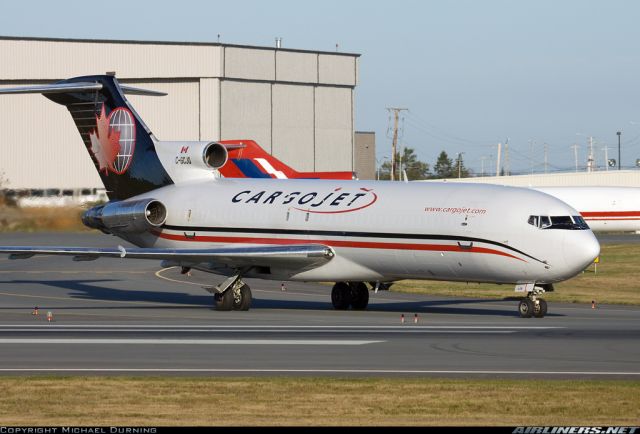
[
  {"x": 187, "y": 161},
  {"x": 210, "y": 155},
  {"x": 133, "y": 216}
]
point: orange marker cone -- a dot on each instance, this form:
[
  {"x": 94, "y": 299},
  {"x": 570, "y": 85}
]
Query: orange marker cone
[
  {"x": 49, "y": 316},
  {"x": 35, "y": 311},
  {"x": 415, "y": 319},
  {"x": 402, "y": 318}
]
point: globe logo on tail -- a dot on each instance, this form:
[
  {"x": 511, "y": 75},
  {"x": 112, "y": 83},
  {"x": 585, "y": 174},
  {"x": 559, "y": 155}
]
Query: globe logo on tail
[{"x": 114, "y": 140}]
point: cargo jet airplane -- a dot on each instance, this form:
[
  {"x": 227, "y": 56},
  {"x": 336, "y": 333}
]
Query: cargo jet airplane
[
  {"x": 605, "y": 209},
  {"x": 168, "y": 200}
]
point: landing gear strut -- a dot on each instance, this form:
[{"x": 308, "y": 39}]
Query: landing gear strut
[
  {"x": 354, "y": 294},
  {"x": 232, "y": 294},
  {"x": 533, "y": 305}
]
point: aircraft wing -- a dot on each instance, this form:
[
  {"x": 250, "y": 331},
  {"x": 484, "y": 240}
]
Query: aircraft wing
[{"x": 298, "y": 256}]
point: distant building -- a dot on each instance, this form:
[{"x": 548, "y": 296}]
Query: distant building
[
  {"x": 365, "y": 154},
  {"x": 297, "y": 104},
  {"x": 603, "y": 178}
]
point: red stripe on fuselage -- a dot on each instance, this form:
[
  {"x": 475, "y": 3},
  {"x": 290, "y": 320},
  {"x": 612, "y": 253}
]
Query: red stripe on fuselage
[
  {"x": 611, "y": 214},
  {"x": 335, "y": 243},
  {"x": 611, "y": 219}
]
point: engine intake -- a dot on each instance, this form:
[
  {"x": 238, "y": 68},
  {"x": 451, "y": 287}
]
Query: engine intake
[
  {"x": 215, "y": 155},
  {"x": 133, "y": 216}
]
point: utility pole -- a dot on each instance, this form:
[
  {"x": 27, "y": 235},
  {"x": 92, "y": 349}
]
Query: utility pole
[
  {"x": 590, "y": 159},
  {"x": 506, "y": 165},
  {"x": 546, "y": 158},
  {"x": 498, "y": 160},
  {"x": 459, "y": 155},
  {"x": 484, "y": 157},
  {"x": 606, "y": 157},
  {"x": 575, "y": 154},
  {"x": 396, "y": 115},
  {"x": 619, "y": 133},
  {"x": 532, "y": 142}
]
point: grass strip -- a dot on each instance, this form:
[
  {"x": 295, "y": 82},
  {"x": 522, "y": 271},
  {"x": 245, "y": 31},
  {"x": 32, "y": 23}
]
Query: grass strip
[{"x": 315, "y": 401}]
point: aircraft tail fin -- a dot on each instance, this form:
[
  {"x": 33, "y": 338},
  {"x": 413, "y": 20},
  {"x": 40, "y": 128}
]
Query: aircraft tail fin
[
  {"x": 118, "y": 141},
  {"x": 248, "y": 160}
]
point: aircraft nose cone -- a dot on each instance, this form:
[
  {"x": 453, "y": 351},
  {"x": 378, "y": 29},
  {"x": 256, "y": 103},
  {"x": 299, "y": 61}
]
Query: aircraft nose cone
[{"x": 581, "y": 248}]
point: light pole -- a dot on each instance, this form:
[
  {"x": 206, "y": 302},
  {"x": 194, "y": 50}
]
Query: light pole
[
  {"x": 619, "y": 133},
  {"x": 460, "y": 164}
]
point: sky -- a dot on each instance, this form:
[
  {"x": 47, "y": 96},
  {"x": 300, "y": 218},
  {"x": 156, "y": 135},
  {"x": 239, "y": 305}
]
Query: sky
[{"x": 544, "y": 75}]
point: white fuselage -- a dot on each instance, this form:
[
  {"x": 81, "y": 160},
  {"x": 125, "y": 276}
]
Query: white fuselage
[
  {"x": 606, "y": 209},
  {"x": 380, "y": 231}
]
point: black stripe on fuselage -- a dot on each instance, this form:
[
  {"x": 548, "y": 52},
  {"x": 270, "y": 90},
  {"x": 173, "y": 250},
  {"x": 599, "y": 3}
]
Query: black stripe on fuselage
[{"x": 349, "y": 234}]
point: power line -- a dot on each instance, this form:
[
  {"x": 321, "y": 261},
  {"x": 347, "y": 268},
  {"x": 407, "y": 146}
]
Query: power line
[{"x": 443, "y": 132}]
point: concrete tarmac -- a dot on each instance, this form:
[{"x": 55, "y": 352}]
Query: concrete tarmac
[{"x": 129, "y": 317}]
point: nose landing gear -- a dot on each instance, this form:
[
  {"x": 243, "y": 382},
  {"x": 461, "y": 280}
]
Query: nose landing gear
[{"x": 533, "y": 305}]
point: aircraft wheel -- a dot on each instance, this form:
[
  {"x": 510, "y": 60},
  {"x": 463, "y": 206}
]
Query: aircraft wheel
[
  {"x": 359, "y": 296},
  {"x": 525, "y": 307},
  {"x": 341, "y": 296},
  {"x": 224, "y": 301},
  {"x": 242, "y": 300},
  {"x": 540, "y": 309}
]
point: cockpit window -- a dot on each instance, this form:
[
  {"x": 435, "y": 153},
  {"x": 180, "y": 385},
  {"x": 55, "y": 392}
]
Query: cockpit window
[
  {"x": 558, "y": 222},
  {"x": 577, "y": 219},
  {"x": 544, "y": 222}
]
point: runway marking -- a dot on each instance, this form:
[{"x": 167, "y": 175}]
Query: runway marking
[
  {"x": 266, "y": 326},
  {"x": 82, "y": 341},
  {"x": 72, "y": 298},
  {"x": 69, "y": 272},
  {"x": 412, "y": 331},
  {"x": 159, "y": 276},
  {"x": 323, "y": 371}
]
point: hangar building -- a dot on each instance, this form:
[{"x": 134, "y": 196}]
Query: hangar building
[{"x": 297, "y": 104}]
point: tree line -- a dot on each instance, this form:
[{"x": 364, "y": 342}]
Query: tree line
[{"x": 444, "y": 167}]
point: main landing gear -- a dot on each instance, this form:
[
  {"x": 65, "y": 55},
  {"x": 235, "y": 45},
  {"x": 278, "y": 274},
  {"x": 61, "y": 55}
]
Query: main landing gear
[
  {"x": 532, "y": 304},
  {"x": 232, "y": 294},
  {"x": 354, "y": 294}
]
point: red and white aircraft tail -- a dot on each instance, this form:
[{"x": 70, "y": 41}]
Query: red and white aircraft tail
[{"x": 248, "y": 160}]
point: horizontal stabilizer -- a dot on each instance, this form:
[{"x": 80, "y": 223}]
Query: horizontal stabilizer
[
  {"x": 53, "y": 88},
  {"x": 129, "y": 90},
  {"x": 75, "y": 87}
]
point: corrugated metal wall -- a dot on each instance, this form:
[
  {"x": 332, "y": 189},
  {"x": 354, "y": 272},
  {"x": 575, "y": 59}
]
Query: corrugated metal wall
[
  {"x": 47, "y": 59},
  {"x": 296, "y": 67},
  {"x": 334, "y": 127},
  {"x": 364, "y": 157},
  {"x": 40, "y": 146},
  {"x": 296, "y": 104},
  {"x": 293, "y": 125},
  {"x": 172, "y": 117},
  {"x": 246, "y": 112}
]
